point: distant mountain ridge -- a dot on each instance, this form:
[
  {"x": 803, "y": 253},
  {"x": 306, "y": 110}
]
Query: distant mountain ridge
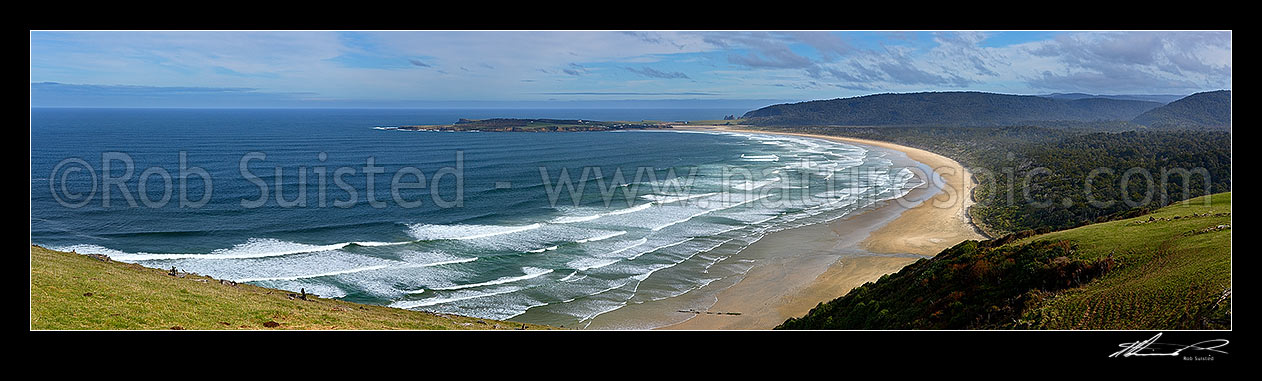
[
  {"x": 946, "y": 108},
  {"x": 1207, "y": 110},
  {"x": 1160, "y": 98}
]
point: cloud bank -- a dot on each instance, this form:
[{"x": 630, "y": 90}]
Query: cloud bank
[{"x": 575, "y": 65}]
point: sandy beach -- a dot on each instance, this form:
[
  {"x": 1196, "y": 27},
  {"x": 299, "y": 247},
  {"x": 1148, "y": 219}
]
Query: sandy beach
[{"x": 805, "y": 266}]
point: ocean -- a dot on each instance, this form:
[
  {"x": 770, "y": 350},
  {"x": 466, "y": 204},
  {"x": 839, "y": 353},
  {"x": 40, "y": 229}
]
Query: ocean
[{"x": 547, "y": 228}]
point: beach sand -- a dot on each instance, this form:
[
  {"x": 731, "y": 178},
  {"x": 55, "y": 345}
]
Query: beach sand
[{"x": 802, "y": 267}]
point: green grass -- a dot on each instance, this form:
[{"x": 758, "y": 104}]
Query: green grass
[
  {"x": 71, "y": 291},
  {"x": 1170, "y": 269},
  {"x": 1170, "y": 275}
]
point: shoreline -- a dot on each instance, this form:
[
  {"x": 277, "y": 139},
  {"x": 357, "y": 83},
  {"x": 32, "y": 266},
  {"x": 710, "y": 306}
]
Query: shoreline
[{"x": 837, "y": 256}]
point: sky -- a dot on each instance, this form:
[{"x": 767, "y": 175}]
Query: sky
[{"x": 603, "y": 68}]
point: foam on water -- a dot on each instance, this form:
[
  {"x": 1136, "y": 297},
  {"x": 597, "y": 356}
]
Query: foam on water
[
  {"x": 700, "y": 285},
  {"x": 526, "y": 240},
  {"x": 91, "y": 249},
  {"x": 375, "y": 244},
  {"x": 707, "y": 211},
  {"x": 760, "y": 157},
  {"x": 584, "y": 264},
  {"x": 410, "y": 304},
  {"x": 427, "y": 232},
  {"x": 549, "y": 248},
  {"x": 634, "y": 244},
  {"x": 751, "y": 185},
  {"x": 573, "y": 219},
  {"x": 602, "y": 237},
  {"x": 531, "y": 273},
  {"x": 669, "y": 245},
  {"x": 667, "y": 199},
  {"x": 447, "y": 262},
  {"x": 331, "y": 273},
  {"x": 252, "y": 248}
]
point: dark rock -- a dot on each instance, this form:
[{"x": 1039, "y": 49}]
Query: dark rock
[{"x": 271, "y": 324}]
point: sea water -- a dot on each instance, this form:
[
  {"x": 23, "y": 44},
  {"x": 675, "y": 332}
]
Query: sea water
[{"x": 477, "y": 224}]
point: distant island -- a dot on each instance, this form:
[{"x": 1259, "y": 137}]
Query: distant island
[{"x": 530, "y": 125}]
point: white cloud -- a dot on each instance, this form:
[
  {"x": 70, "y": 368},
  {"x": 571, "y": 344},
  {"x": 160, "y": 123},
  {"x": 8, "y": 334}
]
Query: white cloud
[{"x": 516, "y": 65}]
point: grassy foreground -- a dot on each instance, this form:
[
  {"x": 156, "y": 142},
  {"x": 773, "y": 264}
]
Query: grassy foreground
[{"x": 72, "y": 291}]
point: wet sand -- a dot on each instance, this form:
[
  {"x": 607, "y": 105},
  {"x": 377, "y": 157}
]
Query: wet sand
[{"x": 802, "y": 267}]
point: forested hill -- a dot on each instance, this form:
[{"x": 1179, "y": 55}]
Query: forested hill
[
  {"x": 1159, "y": 98},
  {"x": 1209, "y": 110},
  {"x": 946, "y": 108}
]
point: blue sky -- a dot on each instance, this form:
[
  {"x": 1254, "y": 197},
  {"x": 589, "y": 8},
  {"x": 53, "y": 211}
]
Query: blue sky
[{"x": 540, "y": 68}]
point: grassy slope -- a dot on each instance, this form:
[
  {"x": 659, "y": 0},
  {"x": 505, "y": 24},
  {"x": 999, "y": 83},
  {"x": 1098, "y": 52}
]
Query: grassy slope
[
  {"x": 1166, "y": 275},
  {"x": 1170, "y": 274},
  {"x": 129, "y": 296}
]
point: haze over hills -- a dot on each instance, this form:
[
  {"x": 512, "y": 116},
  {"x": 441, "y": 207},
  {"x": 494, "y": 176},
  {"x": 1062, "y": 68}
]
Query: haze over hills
[
  {"x": 946, "y": 108},
  {"x": 1161, "y": 98},
  {"x": 1207, "y": 110}
]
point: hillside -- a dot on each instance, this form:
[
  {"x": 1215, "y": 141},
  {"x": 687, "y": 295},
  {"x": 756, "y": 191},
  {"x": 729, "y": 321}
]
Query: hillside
[
  {"x": 72, "y": 291},
  {"x": 1205, "y": 111},
  {"x": 1159, "y": 98},
  {"x": 1167, "y": 270},
  {"x": 946, "y": 108}
]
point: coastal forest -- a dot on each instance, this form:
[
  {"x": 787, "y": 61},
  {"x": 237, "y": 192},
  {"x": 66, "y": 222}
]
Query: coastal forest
[
  {"x": 1083, "y": 207},
  {"x": 1060, "y": 174}
]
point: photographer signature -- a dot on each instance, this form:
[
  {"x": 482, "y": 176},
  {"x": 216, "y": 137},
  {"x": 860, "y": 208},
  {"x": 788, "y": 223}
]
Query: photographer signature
[{"x": 1151, "y": 347}]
